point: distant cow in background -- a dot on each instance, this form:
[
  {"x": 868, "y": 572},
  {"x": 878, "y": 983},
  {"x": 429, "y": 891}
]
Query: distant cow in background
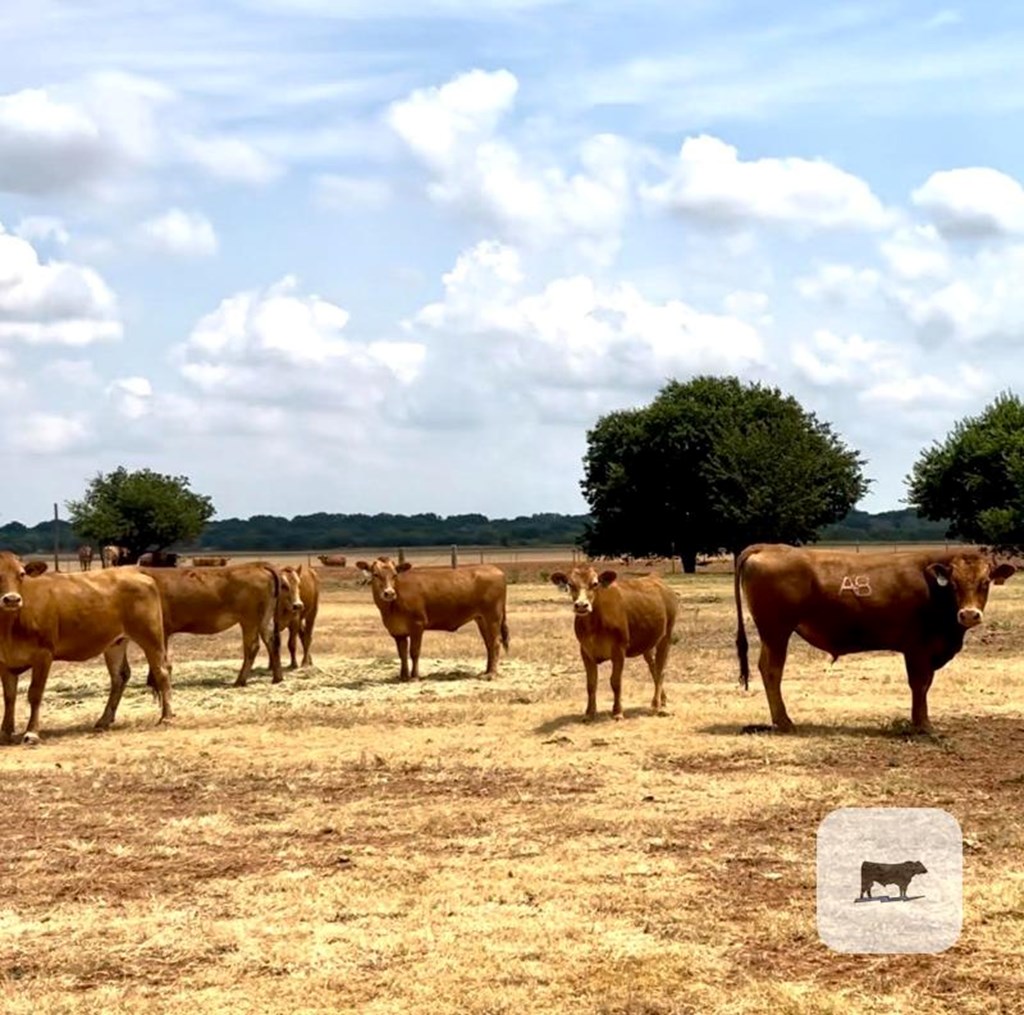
[
  {"x": 209, "y": 561},
  {"x": 158, "y": 558},
  {"x": 114, "y": 556},
  {"x": 619, "y": 618},
  {"x": 85, "y": 557},
  {"x": 332, "y": 559}
]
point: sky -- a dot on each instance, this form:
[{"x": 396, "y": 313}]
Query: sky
[{"x": 355, "y": 256}]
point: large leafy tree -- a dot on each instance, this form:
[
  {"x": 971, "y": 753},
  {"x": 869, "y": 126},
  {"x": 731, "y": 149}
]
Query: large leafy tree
[
  {"x": 140, "y": 510},
  {"x": 975, "y": 477},
  {"x": 714, "y": 464}
]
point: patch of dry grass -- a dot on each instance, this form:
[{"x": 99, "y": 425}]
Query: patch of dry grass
[{"x": 343, "y": 842}]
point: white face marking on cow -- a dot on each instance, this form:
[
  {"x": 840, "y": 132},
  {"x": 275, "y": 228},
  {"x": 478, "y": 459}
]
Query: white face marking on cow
[{"x": 382, "y": 573}]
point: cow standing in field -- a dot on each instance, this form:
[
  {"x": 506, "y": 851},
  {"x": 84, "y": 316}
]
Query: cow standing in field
[
  {"x": 75, "y": 617},
  {"x": 412, "y": 601},
  {"x": 298, "y": 608},
  {"x": 85, "y": 557},
  {"x": 619, "y": 618},
  {"x": 158, "y": 558},
  {"x": 919, "y": 603},
  {"x": 114, "y": 556},
  {"x": 332, "y": 559},
  {"x": 211, "y": 600}
]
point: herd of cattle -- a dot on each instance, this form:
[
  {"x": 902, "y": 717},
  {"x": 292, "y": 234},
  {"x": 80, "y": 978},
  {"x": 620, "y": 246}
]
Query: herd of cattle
[{"x": 918, "y": 603}]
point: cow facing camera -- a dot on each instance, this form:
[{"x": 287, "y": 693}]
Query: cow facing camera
[{"x": 890, "y": 880}]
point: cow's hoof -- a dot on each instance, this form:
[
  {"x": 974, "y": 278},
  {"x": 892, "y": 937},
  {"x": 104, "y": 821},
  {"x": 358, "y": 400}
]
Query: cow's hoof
[
  {"x": 277, "y": 680},
  {"x": 617, "y": 716},
  {"x": 102, "y": 725},
  {"x": 489, "y": 675},
  {"x": 6, "y": 738},
  {"x": 293, "y": 666},
  {"x": 589, "y": 716},
  {"x": 30, "y": 739},
  {"x": 239, "y": 683}
]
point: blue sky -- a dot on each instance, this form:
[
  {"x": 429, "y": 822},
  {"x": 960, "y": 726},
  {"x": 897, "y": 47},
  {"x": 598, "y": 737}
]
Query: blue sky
[{"x": 394, "y": 256}]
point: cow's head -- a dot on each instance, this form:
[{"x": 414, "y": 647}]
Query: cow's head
[
  {"x": 582, "y": 583},
  {"x": 917, "y": 867},
  {"x": 382, "y": 573},
  {"x": 13, "y": 573},
  {"x": 969, "y": 578},
  {"x": 290, "y": 598}
]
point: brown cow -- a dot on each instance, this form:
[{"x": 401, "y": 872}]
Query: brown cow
[
  {"x": 297, "y": 610},
  {"x": 620, "y": 618},
  {"x": 158, "y": 558},
  {"x": 209, "y": 561},
  {"x": 919, "y": 603},
  {"x": 332, "y": 559},
  {"x": 114, "y": 556},
  {"x": 211, "y": 600},
  {"x": 85, "y": 557},
  {"x": 438, "y": 599},
  {"x": 74, "y": 617}
]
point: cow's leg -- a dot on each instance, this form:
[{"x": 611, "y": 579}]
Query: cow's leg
[
  {"x": 656, "y": 659},
  {"x": 160, "y": 667},
  {"x": 306, "y": 637},
  {"x": 116, "y": 658},
  {"x": 415, "y": 641},
  {"x": 250, "y": 649},
  {"x": 40, "y": 672},
  {"x": 771, "y": 664},
  {"x": 10, "y": 686},
  {"x": 490, "y": 631},
  {"x": 590, "y": 665},
  {"x": 618, "y": 664},
  {"x": 402, "y": 644},
  {"x": 293, "y": 639},
  {"x": 271, "y": 634},
  {"x": 920, "y": 673}
]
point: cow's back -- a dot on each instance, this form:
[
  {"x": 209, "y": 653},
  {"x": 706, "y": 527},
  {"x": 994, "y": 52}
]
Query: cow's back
[
  {"x": 450, "y": 597},
  {"x": 207, "y": 600},
  {"x": 840, "y": 601}
]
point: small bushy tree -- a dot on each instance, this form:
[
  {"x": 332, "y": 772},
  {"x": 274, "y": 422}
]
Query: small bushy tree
[
  {"x": 975, "y": 477},
  {"x": 140, "y": 510}
]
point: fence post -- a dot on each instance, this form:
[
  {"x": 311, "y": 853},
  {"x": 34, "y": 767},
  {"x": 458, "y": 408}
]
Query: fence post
[
  {"x": 401, "y": 555},
  {"x": 56, "y": 540},
  {"x": 455, "y": 556},
  {"x": 481, "y": 556}
]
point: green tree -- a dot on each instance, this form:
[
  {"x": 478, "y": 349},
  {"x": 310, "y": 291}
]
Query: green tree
[
  {"x": 140, "y": 510},
  {"x": 975, "y": 477},
  {"x": 714, "y": 464}
]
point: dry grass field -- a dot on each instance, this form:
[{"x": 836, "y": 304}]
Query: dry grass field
[{"x": 344, "y": 843}]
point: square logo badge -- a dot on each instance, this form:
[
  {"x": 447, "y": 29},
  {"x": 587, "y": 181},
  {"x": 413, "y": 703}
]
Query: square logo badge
[{"x": 890, "y": 880}]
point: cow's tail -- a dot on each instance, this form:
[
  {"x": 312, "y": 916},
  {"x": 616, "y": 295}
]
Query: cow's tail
[
  {"x": 504, "y": 629},
  {"x": 742, "y": 648}
]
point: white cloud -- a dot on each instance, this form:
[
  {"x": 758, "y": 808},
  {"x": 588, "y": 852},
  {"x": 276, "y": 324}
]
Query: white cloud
[
  {"x": 839, "y": 284},
  {"x": 45, "y": 433},
  {"x": 451, "y": 130},
  {"x": 350, "y": 193},
  {"x": 232, "y": 159},
  {"x": 924, "y": 390},
  {"x": 77, "y": 136},
  {"x": 830, "y": 359},
  {"x": 131, "y": 396},
  {"x": 710, "y": 181},
  {"x": 43, "y": 228},
  {"x": 73, "y": 373},
  {"x": 916, "y": 253},
  {"x": 490, "y": 335},
  {"x": 55, "y": 302},
  {"x": 973, "y": 202},
  {"x": 185, "y": 234}
]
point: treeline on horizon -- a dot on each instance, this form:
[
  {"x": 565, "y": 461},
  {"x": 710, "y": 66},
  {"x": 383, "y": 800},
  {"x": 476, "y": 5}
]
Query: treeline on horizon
[{"x": 331, "y": 532}]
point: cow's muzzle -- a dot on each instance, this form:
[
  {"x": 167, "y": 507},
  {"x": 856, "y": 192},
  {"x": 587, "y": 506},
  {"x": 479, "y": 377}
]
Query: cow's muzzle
[
  {"x": 969, "y": 616},
  {"x": 11, "y": 601},
  {"x": 388, "y": 594},
  {"x": 582, "y": 607}
]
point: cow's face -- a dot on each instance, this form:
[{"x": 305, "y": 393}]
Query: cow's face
[
  {"x": 291, "y": 600},
  {"x": 969, "y": 578},
  {"x": 13, "y": 574},
  {"x": 918, "y": 868},
  {"x": 382, "y": 574},
  {"x": 582, "y": 584}
]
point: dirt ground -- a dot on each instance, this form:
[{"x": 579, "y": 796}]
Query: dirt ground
[{"x": 345, "y": 843}]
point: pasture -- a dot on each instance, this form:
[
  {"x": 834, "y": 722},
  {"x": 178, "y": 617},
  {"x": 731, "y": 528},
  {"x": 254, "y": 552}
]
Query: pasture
[{"x": 341, "y": 842}]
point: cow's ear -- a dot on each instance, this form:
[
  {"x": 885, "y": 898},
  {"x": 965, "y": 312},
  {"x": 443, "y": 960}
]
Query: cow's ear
[
  {"x": 362, "y": 565},
  {"x": 559, "y": 578},
  {"x": 35, "y": 567},
  {"x": 940, "y": 572},
  {"x": 606, "y": 578},
  {"x": 1002, "y": 572},
  {"x": 404, "y": 566}
]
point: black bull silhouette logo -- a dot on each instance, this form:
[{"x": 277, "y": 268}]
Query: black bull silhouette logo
[{"x": 899, "y": 874}]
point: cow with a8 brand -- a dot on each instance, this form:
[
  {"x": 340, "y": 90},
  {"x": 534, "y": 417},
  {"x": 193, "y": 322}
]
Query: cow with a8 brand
[
  {"x": 920, "y": 603},
  {"x": 616, "y": 618}
]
